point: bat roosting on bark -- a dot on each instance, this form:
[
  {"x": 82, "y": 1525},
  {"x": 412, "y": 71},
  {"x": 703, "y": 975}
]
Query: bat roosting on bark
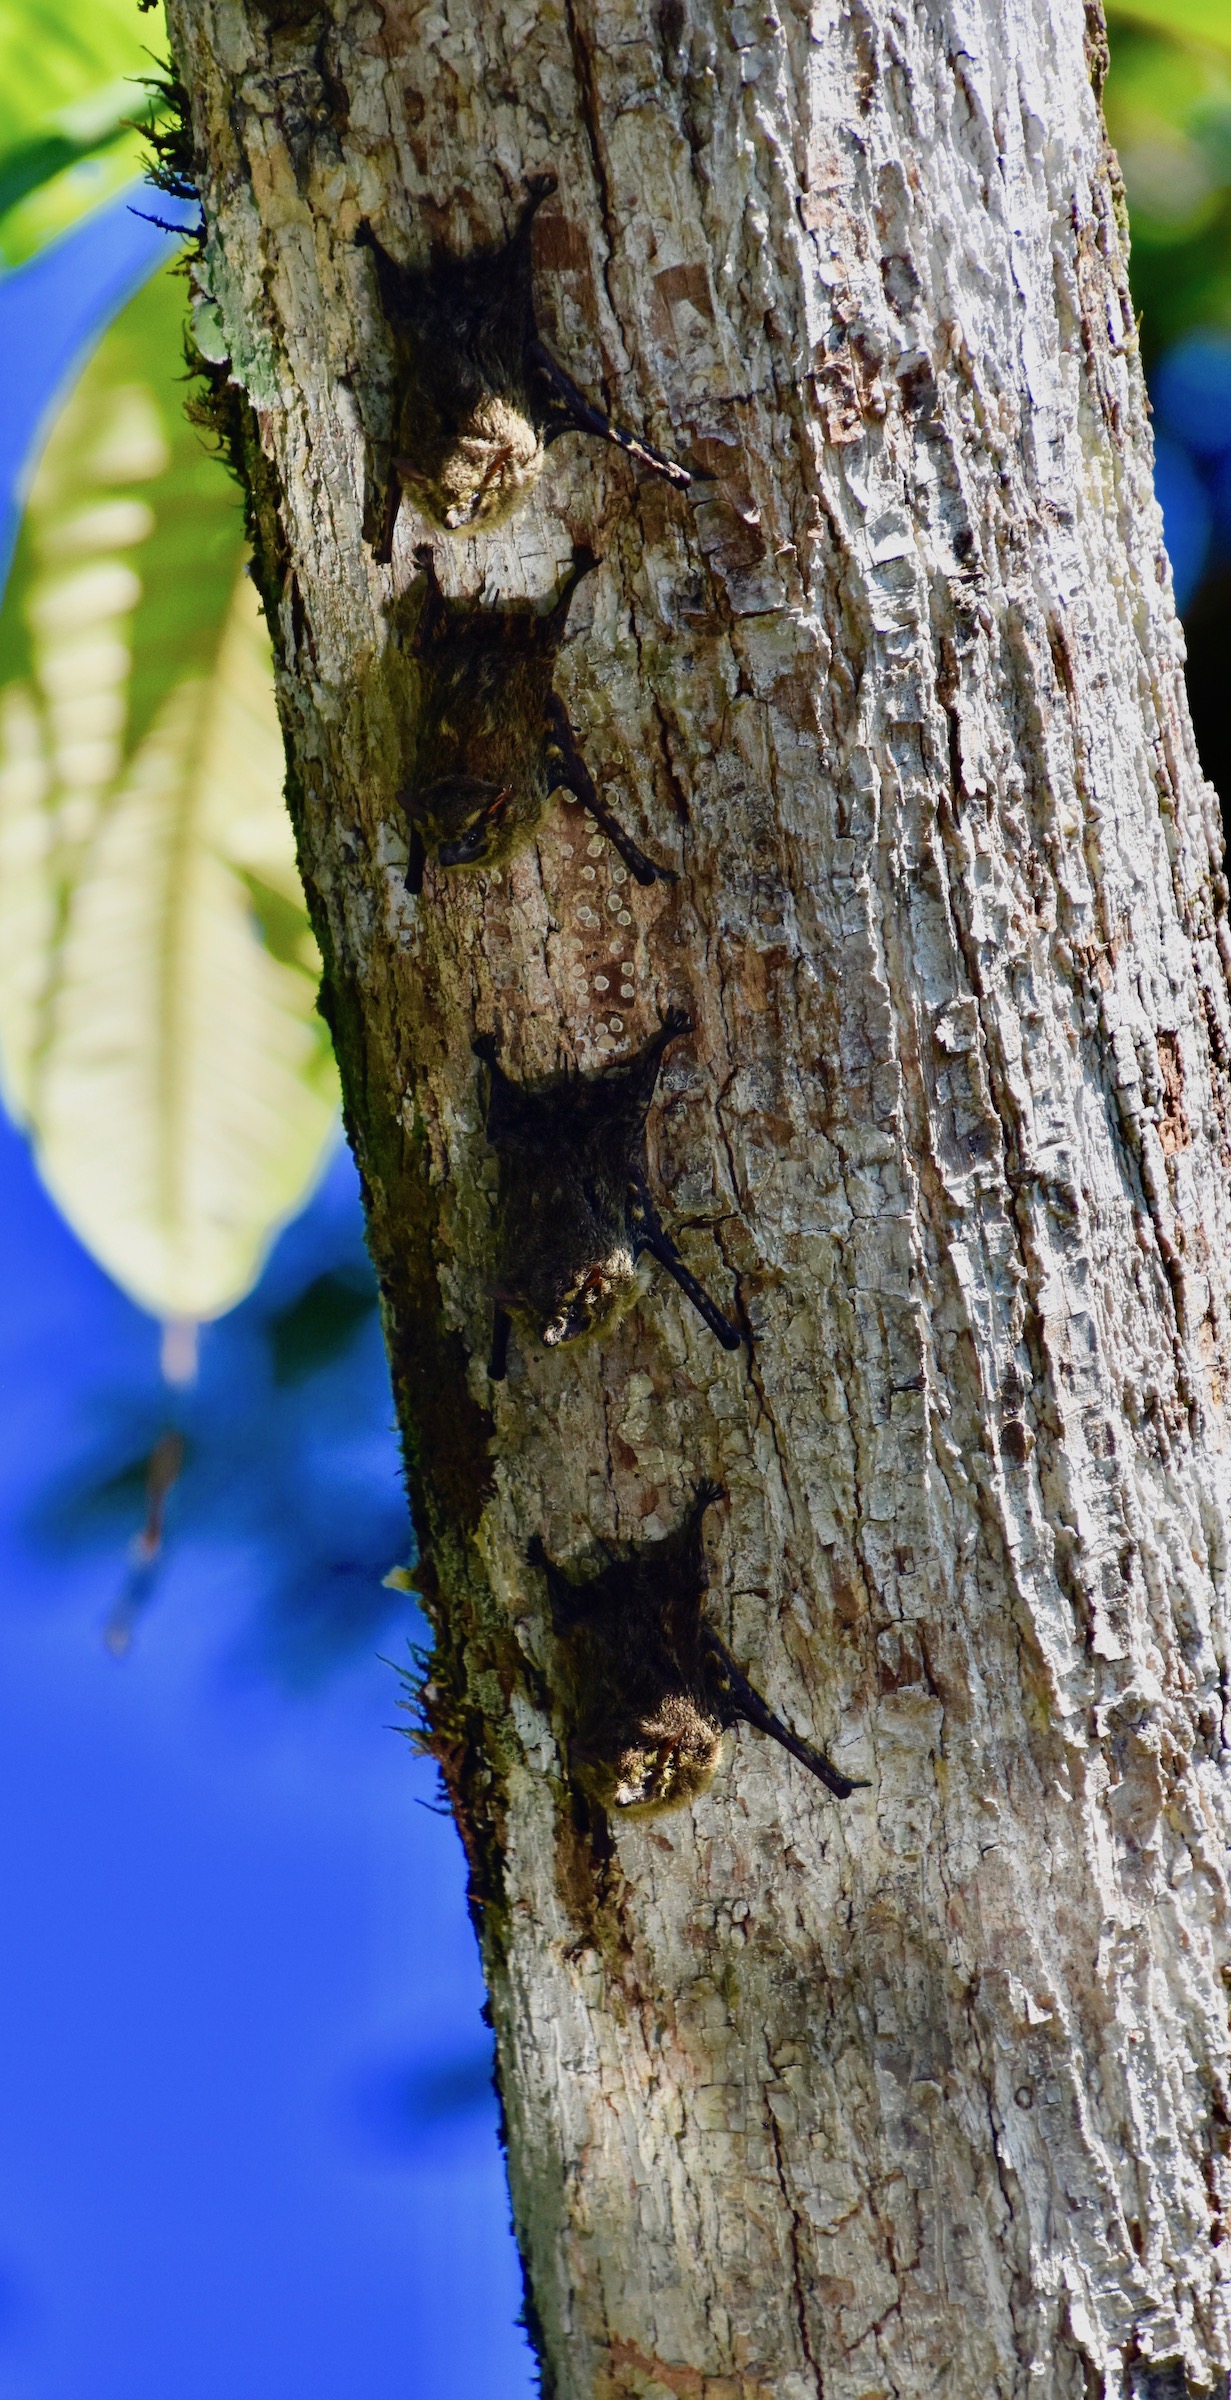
[
  {"x": 649, "y": 1688},
  {"x": 493, "y": 741},
  {"x": 574, "y": 1209},
  {"x": 479, "y": 396}
]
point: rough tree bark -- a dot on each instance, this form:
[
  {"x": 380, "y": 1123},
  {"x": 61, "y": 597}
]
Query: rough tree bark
[{"x": 926, "y": 2094}]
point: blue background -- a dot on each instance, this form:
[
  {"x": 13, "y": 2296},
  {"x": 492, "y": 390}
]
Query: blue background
[{"x": 247, "y": 2132}]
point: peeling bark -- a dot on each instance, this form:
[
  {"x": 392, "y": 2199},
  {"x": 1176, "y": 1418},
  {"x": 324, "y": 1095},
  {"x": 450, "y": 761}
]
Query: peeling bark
[{"x": 926, "y": 2094}]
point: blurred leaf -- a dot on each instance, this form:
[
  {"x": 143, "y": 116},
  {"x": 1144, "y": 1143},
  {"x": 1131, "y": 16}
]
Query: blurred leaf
[
  {"x": 1168, "y": 104},
  {"x": 91, "y": 125},
  {"x": 70, "y": 78},
  {"x": 318, "y": 1325},
  {"x": 169, "y": 1064},
  {"x": 1193, "y": 20},
  {"x": 54, "y": 53}
]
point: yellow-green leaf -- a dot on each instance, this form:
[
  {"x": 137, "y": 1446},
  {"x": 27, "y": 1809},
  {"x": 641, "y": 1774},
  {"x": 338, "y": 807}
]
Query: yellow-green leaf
[
  {"x": 70, "y": 73},
  {"x": 158, "y": 1033},
  {"x": 1206, "y": 21}
]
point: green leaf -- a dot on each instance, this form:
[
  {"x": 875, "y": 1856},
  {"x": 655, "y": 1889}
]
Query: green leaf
[
  {"x": 166, "y": 1058},
  {"x": 70, "y": 78},
  {"x": 1168, "y": 107},
  {"x": 1207, "y": 21},
  {"x": 75, "y": 135},
  {"x": 56, "y": 52}
]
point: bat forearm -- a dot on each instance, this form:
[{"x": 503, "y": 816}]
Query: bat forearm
[{"x": 572, "y": 771}]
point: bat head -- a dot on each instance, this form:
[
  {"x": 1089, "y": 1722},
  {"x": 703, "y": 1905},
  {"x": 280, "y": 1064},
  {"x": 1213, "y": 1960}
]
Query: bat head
[
  {"x": 460, "y": 818},
  {"x": 595, "y": 1297},
  {"x": 478, "y": 471},
  {"x": 665, "y": 1760}
]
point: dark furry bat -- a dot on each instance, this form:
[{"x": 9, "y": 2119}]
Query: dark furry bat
[
  {"x": 480, "y": 398},
  {"x": 648, "y": 1686},
  {"x": 574, "y": 1209},
  {"x": 493, "y": 739}
]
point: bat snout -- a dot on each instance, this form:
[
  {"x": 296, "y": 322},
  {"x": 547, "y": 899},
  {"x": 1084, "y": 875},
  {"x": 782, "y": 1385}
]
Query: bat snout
[{"x": 466, "y": 850}]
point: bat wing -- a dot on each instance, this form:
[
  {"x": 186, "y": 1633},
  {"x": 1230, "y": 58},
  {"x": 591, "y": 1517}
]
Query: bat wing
[{"x": 739, "y": 1699}]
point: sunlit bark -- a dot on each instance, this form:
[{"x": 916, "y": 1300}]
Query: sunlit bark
[{"x": 925, "y": 2093}]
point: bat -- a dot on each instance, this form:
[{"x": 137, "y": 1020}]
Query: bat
[
  {"x": 648, "y": 1687},
  {"x": 480, "y": 398},
  {"x": 493, "y": 741},
  {"x": 574, "y": 1212}
]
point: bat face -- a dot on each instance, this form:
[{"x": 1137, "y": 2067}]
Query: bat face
[
  {"x": 461, "y": 819},
  {"x": 595, "y": 1298},
  {"x": 479, "y": 467},
  {"x": 671, "y": 1755}
]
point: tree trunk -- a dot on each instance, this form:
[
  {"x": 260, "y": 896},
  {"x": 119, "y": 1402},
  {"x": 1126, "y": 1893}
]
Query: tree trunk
[{"x": 924, "y": 2092}]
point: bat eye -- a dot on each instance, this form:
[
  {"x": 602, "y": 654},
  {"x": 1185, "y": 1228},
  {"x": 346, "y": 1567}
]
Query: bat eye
[{"x": 467, "y": 850}]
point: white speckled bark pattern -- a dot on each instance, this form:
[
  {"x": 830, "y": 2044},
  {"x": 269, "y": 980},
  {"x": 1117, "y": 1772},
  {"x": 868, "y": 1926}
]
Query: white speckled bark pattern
[{"x": 926, "y": 2094}]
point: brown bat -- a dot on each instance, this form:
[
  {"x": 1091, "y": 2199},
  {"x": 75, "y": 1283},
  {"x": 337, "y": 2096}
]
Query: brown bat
[
  {"x": 648, "y": 1687},
  {"x": 480, "y": 398}
]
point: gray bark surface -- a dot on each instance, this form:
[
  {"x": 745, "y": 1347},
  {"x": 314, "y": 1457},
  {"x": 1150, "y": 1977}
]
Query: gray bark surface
[{"x": 926, "y": 2093}]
